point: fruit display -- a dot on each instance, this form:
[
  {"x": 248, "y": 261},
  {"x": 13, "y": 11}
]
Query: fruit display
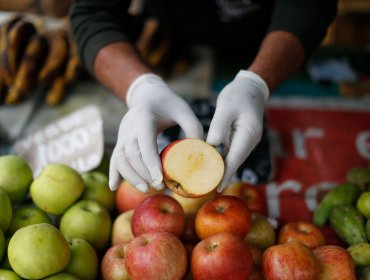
[
  {"x": 36, "y": 54},
  {"x": 346, "y": 209},
  {"x": 69, "y": 225}
]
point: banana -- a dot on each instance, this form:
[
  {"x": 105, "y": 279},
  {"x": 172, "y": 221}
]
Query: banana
[
  {"x": 60, "y": 85},
  {"x": 15, "y": 37},
  {"x": 26, "y": 77},
  {"x": 57, "y": 56}
]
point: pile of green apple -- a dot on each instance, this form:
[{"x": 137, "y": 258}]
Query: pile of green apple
[{"x": 54, "y": 226}]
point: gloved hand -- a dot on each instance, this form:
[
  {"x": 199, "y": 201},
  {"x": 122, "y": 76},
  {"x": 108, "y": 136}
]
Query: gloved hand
[
  {"x": 153, "y": 107},
  {"x": 238, "y": 120}
]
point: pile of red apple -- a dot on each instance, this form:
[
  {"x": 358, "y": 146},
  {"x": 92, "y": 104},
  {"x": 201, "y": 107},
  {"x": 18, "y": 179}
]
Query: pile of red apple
[{"x": 66, "y": 225}]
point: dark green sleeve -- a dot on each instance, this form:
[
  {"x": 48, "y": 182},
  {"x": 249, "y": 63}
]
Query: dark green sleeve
[
  {"x": 95, "y": 23},
  {"x": 308, "y": 20}
]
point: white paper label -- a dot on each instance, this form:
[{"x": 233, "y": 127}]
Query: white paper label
[{"x": 75, "y": 140}]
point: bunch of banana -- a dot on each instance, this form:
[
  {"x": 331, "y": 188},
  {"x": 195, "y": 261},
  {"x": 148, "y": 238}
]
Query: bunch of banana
[{"x": 33, "y": 56}]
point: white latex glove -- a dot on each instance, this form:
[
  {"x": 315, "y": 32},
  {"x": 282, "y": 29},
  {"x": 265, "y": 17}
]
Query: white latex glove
[
  {"x": 238, "y": 120},
  {"x": 152, "y": 108}
]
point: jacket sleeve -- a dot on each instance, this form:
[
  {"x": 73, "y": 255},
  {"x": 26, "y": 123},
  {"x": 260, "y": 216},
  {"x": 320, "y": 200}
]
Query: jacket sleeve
[
  {"x": 96, "y": 23},
  {"x": 308, "y": 20}
]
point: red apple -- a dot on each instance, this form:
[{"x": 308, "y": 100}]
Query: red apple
[
  {"x": 261, "y": 234},
  {"x": 128, "y": 197},
  {"x": 121, "y": 229},
  {"x": 334, "y": 263},
  {"x": 192, "y": 204},
  {"x": 252, "y": 195},
  {"x": 158, "y": 213},
  {"x": 191, "y": 167},
  {"x": 289, "y": 261},
  {"x": 113, "y": 263},
  {"x": 156, "y": 255},
  {"x": 221, "y": 256},
  {"x": 223, "y": 214},
  {"x": 305, "y": 232}
]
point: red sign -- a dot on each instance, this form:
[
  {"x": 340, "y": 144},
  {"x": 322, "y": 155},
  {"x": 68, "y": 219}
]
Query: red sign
[{"x": 313, "y": 149}]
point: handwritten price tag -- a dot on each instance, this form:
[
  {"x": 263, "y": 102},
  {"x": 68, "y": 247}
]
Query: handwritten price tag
[{"x": 75, "y": 140}]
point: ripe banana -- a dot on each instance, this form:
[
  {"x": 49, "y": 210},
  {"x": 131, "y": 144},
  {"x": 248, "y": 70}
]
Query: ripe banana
[
  {"x": 57, "y": 56},
  {"x": 15, "y": 36},
  {"x": 26, "y": 77}
]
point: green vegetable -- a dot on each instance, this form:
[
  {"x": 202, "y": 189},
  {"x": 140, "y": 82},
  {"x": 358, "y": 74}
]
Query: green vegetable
[
  {"x": 343, "y": 194},
  {"x": 348, "y": 223}
]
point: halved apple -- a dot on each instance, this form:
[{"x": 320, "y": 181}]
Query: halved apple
[{"x": 191, "y": 167}]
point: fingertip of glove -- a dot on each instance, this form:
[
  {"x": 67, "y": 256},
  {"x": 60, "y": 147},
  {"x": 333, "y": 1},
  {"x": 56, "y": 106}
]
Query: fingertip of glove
[
  {"x": 113, "y": 187},
  {"x": 142, "y": 187}
]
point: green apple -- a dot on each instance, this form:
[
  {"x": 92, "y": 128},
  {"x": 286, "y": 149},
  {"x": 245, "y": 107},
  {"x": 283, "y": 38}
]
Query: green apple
[
  {"x": 25, "y": 216},
  {"x": 4, "y": 264},
  {"x": 363, "y": 204},
  {"x": 56, "y": 188},
  {"x": 6, "y": 210},
  {"x": 37, "y": 251},
  {"x": 62, "y": 276},
  {"x": 2, "y": 245},
  {"x": 15, "y": 177},
  {"x": 90, "y": 220},
  {"x": 97, "y": 188},
  {"x": 6, "y": 274},
  {"x": 84, "y": 261}
]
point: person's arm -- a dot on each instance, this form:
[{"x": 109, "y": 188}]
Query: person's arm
[
  {"x": 105, "y": 36},
  {"x": 117, "y": 65},
  {"x": 280, "y": 55},
  {"x": 297, "y": 28}
]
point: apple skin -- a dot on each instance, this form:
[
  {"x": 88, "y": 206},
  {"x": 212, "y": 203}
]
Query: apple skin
[
  {"x": 158, "y": 213},
  {"x": 90, "y": 220},
  {"x": 25, "y": 216},
  {"x": 15, "y": 177},
  {"x": 251, "y": 194},
  {"x": 56, "y": 188},
  {"x": 2, "y": 245},
  {"x": 289, "y": 261},
  {"x": 6, "y": 210},
  {"x": 113, "y": 263},
  {"x": 305, "y": 232},
  {"x": 9, "y": 275},
  {"x": 335, "y": 263},
  {"x": 84, "y": 262},
  {"x": 192, "y": 204},
  {"x": 261, "y": 234},
  {"x": 221, "y": 256},
  {"x": 121, "y": 229},
  {"x": 363, "y": 204},
  {"x": 97, "y": 188},
  {"x": 37, "y": 251},
  {"x": 176, "y": 176},
  {"x": 62, "y": 276},
  {"x": 128, "y": 197},
  {"x": 4, "y": 263},
  {"x": 156, "y": 255},
  {"x": 223, "y": 214}
]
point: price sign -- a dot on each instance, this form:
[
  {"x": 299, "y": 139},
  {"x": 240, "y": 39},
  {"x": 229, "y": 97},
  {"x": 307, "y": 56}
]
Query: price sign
[{"x": 75, "y": 140}]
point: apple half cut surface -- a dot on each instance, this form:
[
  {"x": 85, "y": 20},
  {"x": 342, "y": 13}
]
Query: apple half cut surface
[{"x": 191, "y": 167}]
